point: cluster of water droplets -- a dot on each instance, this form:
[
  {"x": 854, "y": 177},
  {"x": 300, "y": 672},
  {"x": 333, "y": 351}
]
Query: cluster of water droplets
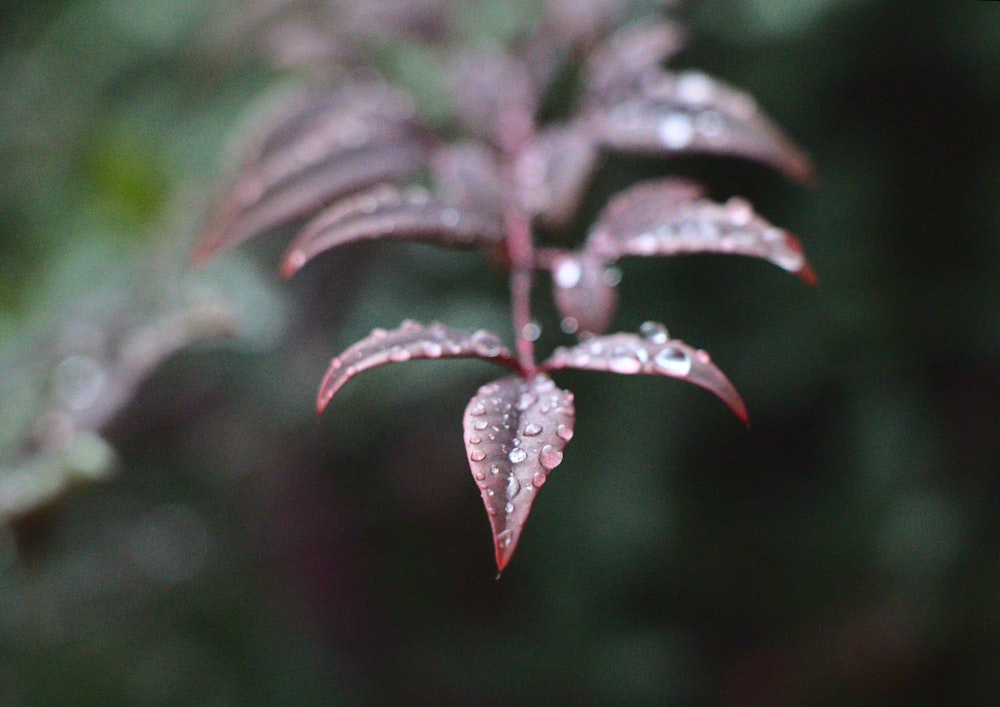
[{"x": 652, "y": 352}]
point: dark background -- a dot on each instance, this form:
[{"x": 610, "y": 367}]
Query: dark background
[{"x": 844, "y": 550}]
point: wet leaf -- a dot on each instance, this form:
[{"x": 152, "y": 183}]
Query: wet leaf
[
  {"x": 249, "y": 213},
  {"x": 515, "y": 433},
  {"x": 411, "y": 341},
  {"x": 620, "y": 61},
  {"x": 690, "y": 112},
  {"x": 553, "y": 170},
  {"x": 585, "y": 292},
  {"x": 467, "y": 176},
  {"x": 668, "y": 217},
  {"x": 386, "y": 213},
  {"x": 651, "y": 353},
  {"x": 495, "y": 96}
]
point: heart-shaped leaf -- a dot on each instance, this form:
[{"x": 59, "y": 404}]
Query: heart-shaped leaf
[
  {"x": 691, "y": 112},
  {"x": 667, "y": 217},
  {"x": 386, "y": 213},
  {"x": 515, "y": 433},
  {"x": 411, "y": 341},
  {"x": 585, "y": 292},
  {"x": 651, "y": 353}
]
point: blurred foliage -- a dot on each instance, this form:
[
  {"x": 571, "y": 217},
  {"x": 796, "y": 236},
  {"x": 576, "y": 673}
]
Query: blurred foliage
[{"x": 845, "y": 550}]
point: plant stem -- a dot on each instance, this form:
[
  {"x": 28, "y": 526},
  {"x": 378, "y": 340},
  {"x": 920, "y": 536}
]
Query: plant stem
[{"x": 521, "y": 251}]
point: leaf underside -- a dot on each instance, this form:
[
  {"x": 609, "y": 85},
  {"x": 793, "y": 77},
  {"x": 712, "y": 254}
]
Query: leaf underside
[
  {"x": 387, "y": 213},
  {"x": 409, "y": 342},
  {"x": 668, "y": 217},
  {"x": 515, "y": 432},
  {"x": 651, "y": 354}
]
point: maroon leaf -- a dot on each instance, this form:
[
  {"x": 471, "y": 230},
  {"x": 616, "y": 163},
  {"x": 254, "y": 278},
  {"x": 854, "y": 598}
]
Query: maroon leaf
[
  {"x": 553, "y": 170},
  {"x": 667, "y": 217},
  {"x": 250, "y": 213},
  {"x": 585, "y": 292},
  {"x": 411, "y": 341},
  {"x": 495, "y": 96},
  {"x": 387, "y": 213},
  {"x": 515, "y": 433},
  {"x": 629, "y": 53},
  {"x": 652, "y": 353},
  {"x": 467, "y": 176},
  {"x": 691, "y": 112}
]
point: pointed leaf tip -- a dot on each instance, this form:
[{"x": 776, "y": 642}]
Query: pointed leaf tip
[
  {"x": 409, "y": 342},
  {"x": 515, "y": 433},
  {"x": 652, "y": 353}
]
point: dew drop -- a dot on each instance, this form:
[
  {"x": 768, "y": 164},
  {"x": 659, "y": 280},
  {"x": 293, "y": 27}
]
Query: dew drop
[
  {"x": 531, "y": 331},
  {"x": 477, "y": 455},
  {"x": 624, "y": 363},
  {"x": 694, "y": 87},
  {"x": 525, "y": 401},
  {"x": 508, "y": 509},
  {"x": 480, "y": 425},
  {"x": 739, "y": 211},
  {"x": 550, "y": 457},
  {"x": 433, "y": 349},
  {"x": 479, "y": 476},
  {"x": 565, "y": 432},
  {"x": 531, "y": 429},
  {"x": 494, "y": 469},
  {"x": 398, "y": 354},
  {"x": 517, "y": 455},
  {"x": 449, "y": 217},
  {"x": 567, "y": 273},
  {"x": 654, "y": 332},
  {"x": 475, "y": 439},
  {"x": 478, "y": 409},
  {"x": 676, "y": 131},
  {"x": 513, "y": 487},
  {"x": 378, "y": 333},
  {"x": 538, "y": 479},
  {"x": 673, "y": 361},
  {"x": 569, "y": 325}
]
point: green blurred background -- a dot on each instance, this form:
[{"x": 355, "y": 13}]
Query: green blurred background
[{"x": 182, "y": 530}]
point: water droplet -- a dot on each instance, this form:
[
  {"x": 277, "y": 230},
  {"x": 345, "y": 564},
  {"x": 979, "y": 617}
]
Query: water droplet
[
  {"x": 517, "y": 455},
  {"x": 398, "y": 354},
  {"x": 538, "y": 479},
  {"x": 624, "y": 363},
  {"x": 449, "y": 217},
  {"x": 567, "y": 273},
  {"x": 565, "y": 432},
  {"x": 378, "y": 333},
  {"x": 478, "y": 409},
  {"x": 739, "y": 211},
  {"x": 508, "y": 509},
  {"x": 702, "y": 356},
  {"x": 612, "y": 277},
  {"x": 654, "y": 332},
  {"x": 694, "y": 87},
  {"x": 477, "y": 455},
  {"x": 525, "y": 401},
  {"x": 674, "y": 361},
  {"x": 531, "y": 429},
  {"x": 676, "y": 131},
  {"x": 479, "y": 476},
  {"x": 475, "y": 439},
  {"x": 432, "y": 349},
  {"x": 569, "y": 325},
  {"x": 513, "y": 487},
  {"x": 480, "y": 425},
  {"x": 531, "y": 331},
  {"x": 550, "y": 457},
  {"x": 494, "y": 469}
]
